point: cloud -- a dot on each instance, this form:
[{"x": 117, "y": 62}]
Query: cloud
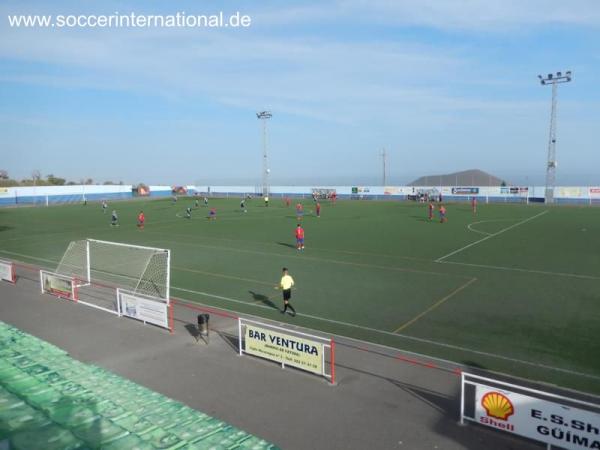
[{"x": 498, "y": 16}]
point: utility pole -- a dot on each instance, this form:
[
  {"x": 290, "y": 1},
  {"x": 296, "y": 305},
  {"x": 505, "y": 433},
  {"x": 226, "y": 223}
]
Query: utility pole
[{"x": 554, "y": 80}]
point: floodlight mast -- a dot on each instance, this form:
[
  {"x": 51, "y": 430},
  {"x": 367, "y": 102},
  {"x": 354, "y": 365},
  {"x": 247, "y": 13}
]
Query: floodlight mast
[
  {"x": 264, "y": 116},
  {"x": 554, "y": 80},
  {"x": 384, "y": 158}
]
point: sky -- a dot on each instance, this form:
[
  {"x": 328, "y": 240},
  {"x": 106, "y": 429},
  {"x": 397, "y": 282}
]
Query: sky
[{"x": 443, "y": 86}]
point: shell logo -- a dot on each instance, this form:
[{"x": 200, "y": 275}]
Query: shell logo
[{"x": 497, "y": 405}]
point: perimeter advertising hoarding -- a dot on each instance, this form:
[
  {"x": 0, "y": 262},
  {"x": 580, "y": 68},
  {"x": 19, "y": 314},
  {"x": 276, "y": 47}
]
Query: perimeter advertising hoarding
[
  {"x": 6, "y": 271},
  {"x": 568, "y": 192},
  {"x": 465, "y": 190},
  {"x": 595, "y": 192},
  {"x": 146, "y": 310},
  {"x": 286, "y": 349},
  {"x": 535, "y": 418},
  {"x": 60, "y": 286},
  {"x": 514, "y": 190}
]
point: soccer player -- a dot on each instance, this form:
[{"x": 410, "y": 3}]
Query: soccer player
[
  {"x": 333, "y": 197},
  {"x": 299, "y": 211},
  {"x": 431, "y": 207},
  {"x": 188, "y": 212},
  {"x": 104, "y": 206},
  {"x": 212, "y": 214},
  {"x": 288, "y": 202},
  {"x": 114, "y": 219},
  {"x": 267, "y": 201},
  {"x": 443, "y": 214},
  {"x": 474, "y": 205},
  {"x": 197, "y": 202},
  {"x": 286, "y": 284},
  {"x": 299, "y": 237},
  {"x": 141, "y": 218},
  {"x": 205, "y": 201},
  {"x": 318, "y": 208},
  {"x": 174, "y": 198},
  {"x": 243, "y": 205}
]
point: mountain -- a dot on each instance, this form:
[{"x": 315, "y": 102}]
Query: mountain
[{"x": 472, "y": 177}]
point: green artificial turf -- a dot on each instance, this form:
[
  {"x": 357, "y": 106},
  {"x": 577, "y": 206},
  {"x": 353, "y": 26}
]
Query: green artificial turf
[{"x": 523, "y": 299}]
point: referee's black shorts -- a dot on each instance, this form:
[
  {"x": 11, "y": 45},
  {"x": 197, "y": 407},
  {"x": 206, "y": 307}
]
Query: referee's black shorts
[{"x": 287, "y": 293}]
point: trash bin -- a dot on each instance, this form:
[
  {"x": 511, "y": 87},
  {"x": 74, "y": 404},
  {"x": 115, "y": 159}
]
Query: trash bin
[{"x": 203, "y": 324}]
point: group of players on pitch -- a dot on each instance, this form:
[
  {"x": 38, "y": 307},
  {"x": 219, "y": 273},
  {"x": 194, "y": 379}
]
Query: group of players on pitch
[{"x": 442, "y": 210}]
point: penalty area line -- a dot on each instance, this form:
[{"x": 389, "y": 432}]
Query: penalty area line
[{"x": 441, "y": 259}]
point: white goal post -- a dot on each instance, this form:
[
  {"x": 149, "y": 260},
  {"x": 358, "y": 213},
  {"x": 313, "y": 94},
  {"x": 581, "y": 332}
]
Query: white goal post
[{"x": 142, "y": 270}]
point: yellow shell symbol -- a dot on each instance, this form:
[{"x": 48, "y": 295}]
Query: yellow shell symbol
[{"x": 497, "y": 405}]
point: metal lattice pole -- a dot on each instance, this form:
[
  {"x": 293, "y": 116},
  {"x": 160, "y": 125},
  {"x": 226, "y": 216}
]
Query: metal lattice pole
[
  {"x": 551, "y": 166},
  {"x": 384, "y": 157},
  {"x": 554, "y": 80},
  {"x": 264, "y": 116}
]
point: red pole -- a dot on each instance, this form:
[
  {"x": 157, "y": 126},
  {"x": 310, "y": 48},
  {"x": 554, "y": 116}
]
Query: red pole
[
  {"x": 74, "y": 281},
  {"x": 332, "y": 361}
]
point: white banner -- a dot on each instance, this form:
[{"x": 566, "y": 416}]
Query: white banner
[
  {"x": 535, "y": 418},
  {"x": 6, "y": 271},
  {"x": 144, "y": 309},
  {"x": 594, "y": 192}
]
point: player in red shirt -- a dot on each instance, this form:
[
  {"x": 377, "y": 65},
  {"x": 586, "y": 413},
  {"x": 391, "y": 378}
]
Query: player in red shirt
[
  {"x": 288, "y": 202},
  {"x": 318, "y": 208},
  {"x": 141, "y": 218},
  {"x": 212, "y": 214},
  {"x": 299, "y": 237},
  {"x": 333, "y": 197},
  {"x": 474, "y": 205},
  {"x": 443, "y": 214},
  {"x": 431, "y": 207},
  {"x": 299, "y": 211}
]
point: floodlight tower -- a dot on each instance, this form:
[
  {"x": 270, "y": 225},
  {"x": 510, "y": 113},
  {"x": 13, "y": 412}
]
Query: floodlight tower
[
  {"x": 384, "y": 158},
  {"x": 264, "y": 116},
  {"x": 554, "y": 80}
]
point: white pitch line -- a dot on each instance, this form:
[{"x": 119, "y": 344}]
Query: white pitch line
[
  {"x": 374, "y": 330},
  {"x": 486, "y": 221},
  {"x": 478, "y": 231},
  {"x": 411, "y": 338},
  {"x": 490, "y": 236},
  {"x": 517, "y": 269}
]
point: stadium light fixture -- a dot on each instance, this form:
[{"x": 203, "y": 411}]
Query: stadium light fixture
[
  {"x": 264, "y": 116},
  {"x": 554, "y": 80}
]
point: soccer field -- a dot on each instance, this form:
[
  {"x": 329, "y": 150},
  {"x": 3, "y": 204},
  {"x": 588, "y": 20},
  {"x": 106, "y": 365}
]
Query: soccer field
[{"x": 514, "y": 288}]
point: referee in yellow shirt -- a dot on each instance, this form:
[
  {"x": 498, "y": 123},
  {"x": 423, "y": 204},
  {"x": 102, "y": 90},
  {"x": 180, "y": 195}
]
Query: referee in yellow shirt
[{"x": 286, "y": 284}]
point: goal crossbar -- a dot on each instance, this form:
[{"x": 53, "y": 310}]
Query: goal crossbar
[{"x": 142, "y": 269}]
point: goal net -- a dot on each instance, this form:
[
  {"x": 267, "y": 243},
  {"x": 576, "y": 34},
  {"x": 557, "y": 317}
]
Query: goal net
[{"x": 142, "y": 270}]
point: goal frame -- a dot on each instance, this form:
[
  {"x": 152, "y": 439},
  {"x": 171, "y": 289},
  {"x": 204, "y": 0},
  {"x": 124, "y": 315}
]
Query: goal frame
[{"x": 88, "y": 262}]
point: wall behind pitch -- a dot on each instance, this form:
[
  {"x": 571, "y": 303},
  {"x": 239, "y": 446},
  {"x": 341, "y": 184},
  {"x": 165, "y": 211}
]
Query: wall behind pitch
[{"x": 62, "y": 194}]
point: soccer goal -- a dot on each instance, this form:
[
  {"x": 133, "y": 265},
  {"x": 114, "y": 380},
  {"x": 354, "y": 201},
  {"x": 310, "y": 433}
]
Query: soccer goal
[{"x": 102, "y": 266}]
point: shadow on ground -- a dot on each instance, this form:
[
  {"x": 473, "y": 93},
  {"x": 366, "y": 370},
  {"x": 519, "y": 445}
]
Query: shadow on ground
[{"x": 264, "y": 299}]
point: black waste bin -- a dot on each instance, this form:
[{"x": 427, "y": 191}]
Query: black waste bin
[{"x": 203, "y": 324}]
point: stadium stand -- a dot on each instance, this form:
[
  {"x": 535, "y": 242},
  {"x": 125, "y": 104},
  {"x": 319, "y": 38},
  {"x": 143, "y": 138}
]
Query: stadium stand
[{"x": 49, "y": 400}]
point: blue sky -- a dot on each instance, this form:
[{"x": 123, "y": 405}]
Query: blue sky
[{"x": 443, "y": 85}]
